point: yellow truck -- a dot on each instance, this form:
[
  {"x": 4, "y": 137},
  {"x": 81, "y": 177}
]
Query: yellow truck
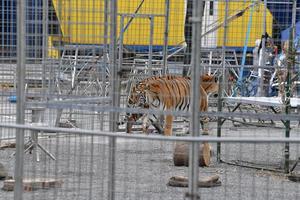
[{"x": 83, "y": 22}]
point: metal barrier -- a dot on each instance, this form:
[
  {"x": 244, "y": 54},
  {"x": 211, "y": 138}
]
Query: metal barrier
[
  {"x": 145, "y": 166},
  {"x": 62, "y": 75}
]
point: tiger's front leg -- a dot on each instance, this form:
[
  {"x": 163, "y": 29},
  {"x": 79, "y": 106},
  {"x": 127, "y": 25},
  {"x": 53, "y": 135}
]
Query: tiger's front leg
[
  {"x": 131, "y": 119},
  {"x": 146, "y": 124},
  {"x": 168, "y": 125},
  {"x": 204, "y": 120},
  {"x": 204, "y": 125},
  {"x": 129, "y": 124}
]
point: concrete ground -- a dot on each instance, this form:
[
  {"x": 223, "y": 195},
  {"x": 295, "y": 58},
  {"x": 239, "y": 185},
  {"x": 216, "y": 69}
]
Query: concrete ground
[{"x": 144, "y": 167}]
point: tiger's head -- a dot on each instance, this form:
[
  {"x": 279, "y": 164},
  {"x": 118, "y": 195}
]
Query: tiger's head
[
  {"x": 137, "y": 95},
  {"x": 210, "y": 84},
  {"x": 136, "y": 98}
]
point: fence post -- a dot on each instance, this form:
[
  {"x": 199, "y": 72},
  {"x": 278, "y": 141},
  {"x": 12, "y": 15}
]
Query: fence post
[
  {"x": 21, "y": 64},
  {"x": 195, "y": 96},
  {"x": 113, "y": 117},
  {"x": 166, "y": 36},
  {"x": 223, "y": 81},
  {"x": 288, "y": 95}
]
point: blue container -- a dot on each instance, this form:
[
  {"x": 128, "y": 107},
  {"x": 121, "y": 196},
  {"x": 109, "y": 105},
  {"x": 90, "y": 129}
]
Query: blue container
[{"x": 12, "y": 99}]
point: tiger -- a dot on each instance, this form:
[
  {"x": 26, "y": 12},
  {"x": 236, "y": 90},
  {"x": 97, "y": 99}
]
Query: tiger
[
  {"x": 160, "y": 92},
  {"x": 137, "y": 99}
]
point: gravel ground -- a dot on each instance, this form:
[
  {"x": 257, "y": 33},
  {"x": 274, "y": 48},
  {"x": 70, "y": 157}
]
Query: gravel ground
[{"x": 143, "y": 168}]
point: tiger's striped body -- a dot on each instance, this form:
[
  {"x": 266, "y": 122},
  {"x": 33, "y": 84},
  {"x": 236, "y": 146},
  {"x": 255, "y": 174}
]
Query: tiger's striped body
[{"x": 169, "y": 92}]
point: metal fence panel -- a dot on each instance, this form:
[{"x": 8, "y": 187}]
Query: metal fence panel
[{"x": 81, "y": 75}]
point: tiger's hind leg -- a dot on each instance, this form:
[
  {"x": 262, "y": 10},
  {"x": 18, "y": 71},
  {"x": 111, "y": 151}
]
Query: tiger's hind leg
[
  {"x": 204, "y": 121},
  {"x": 186, "y": 126}
]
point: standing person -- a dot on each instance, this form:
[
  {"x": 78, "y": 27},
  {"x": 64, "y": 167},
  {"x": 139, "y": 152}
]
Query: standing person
[{"x": 256, "y": 52}]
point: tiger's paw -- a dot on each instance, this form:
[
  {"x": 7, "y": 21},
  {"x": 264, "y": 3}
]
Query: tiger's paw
[
  {"x": 205, "y": 131},
  {"x": 204, "y": 119}
]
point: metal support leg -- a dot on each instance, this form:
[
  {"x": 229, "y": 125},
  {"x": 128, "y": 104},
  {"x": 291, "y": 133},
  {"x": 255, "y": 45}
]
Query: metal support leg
[
  {"x": 220, "y": 123},
  {"x": 33, "y": 144},
  {"x": 287, "y": 148}
]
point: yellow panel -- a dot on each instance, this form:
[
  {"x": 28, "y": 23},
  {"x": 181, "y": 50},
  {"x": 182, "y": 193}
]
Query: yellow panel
[
  {"x": 82, "y": 21},
  {"x": 237, "y": 29},
  {"x": 53, "y": 52}
]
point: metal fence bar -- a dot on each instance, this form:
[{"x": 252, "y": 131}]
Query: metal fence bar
[
  {"x": 115, "y": 97},
  {"x": 264, "y": 116},
  {"x": 151, "y": 34},
  {"x": 222, "y": 83},
  {"x": 155, "y": 137},
  {"x": 290, "y": 65},
  {"x": 20, "y": 118},
  {"x": 195, "y": 96},
  {"x": 166, "y": 35},
  {"x": 44, "y": 44}
]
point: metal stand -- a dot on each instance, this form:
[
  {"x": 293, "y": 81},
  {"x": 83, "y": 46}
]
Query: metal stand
[
  {"x": 294, "y": 166},
  {"x": 32, "y": 144}
]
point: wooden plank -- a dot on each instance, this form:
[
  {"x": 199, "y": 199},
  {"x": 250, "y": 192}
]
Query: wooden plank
[
  {"x": 181, "y": 181},
  {"x": 7, "y": 145},
  {"x": 33, "y": 184}
]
